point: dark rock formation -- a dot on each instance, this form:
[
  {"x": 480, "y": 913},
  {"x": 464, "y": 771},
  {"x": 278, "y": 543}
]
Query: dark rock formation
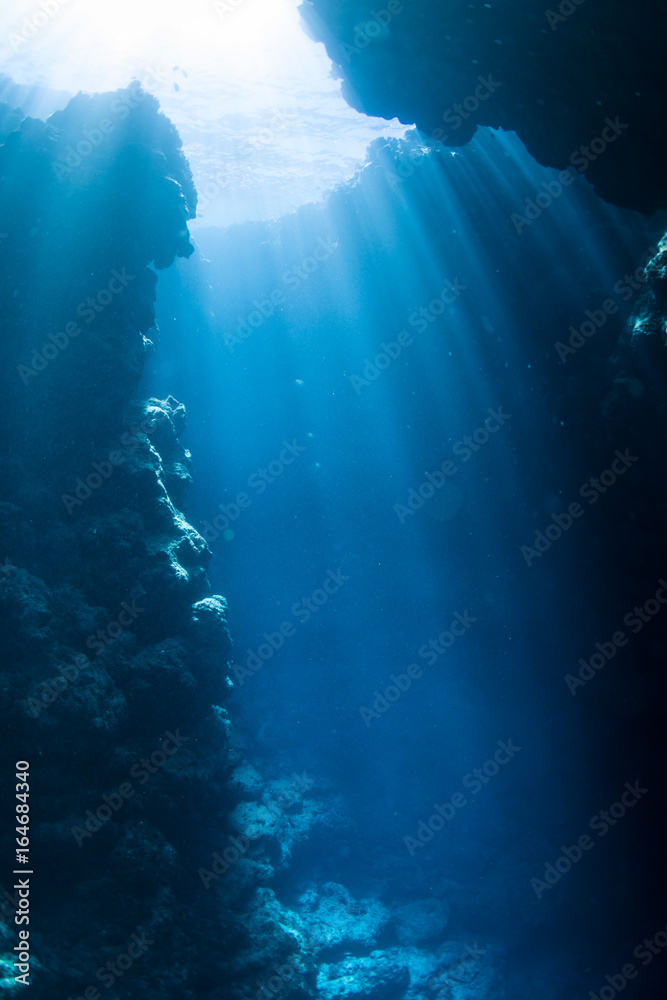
[
  {"x": 89, "y": 200},
  {"x": 556, "y": 74},
  {"x": 648, "y": 326},
  {"x": 114, "y": 678}
]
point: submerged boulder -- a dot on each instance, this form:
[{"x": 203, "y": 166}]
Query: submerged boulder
[
  {"x": 421, "y": 921},
  {"x": 374, "y": 977},
  {"x": 335, "y": 919}
]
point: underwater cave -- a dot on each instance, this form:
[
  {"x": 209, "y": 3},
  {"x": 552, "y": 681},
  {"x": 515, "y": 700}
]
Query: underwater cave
[{"x": 333, "y": 559}]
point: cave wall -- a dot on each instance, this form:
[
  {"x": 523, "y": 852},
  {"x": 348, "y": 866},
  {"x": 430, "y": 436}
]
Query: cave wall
[{"x": 580, "y": 82}]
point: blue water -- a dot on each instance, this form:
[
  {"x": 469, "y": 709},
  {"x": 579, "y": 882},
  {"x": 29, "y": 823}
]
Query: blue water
[
  {"x": 268, "y": 345},
  {"x": 427, "y": 461}
]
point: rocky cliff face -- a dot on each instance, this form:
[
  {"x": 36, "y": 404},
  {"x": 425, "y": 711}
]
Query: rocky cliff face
[
  {"x": 578, "y": 81},
  {"x": 114, "y": 679}
]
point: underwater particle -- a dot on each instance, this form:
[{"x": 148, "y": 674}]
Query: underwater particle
[{"x": 228, "y": 535}]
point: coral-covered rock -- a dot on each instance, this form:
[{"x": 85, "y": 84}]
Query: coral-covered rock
[
  {"x": 375, "y": 977},
  {"x": 118, "y": 650},
  {"x": 421, "y": 921},
  {"x": 467, "y": 972},
  {"x": 246, "y": 781},
  {"x": 337, "y": 919},
  {"x": 269, "y": 950},
  {"x": 650, "y": 316},
  {"x": 254, "y": 821}
]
